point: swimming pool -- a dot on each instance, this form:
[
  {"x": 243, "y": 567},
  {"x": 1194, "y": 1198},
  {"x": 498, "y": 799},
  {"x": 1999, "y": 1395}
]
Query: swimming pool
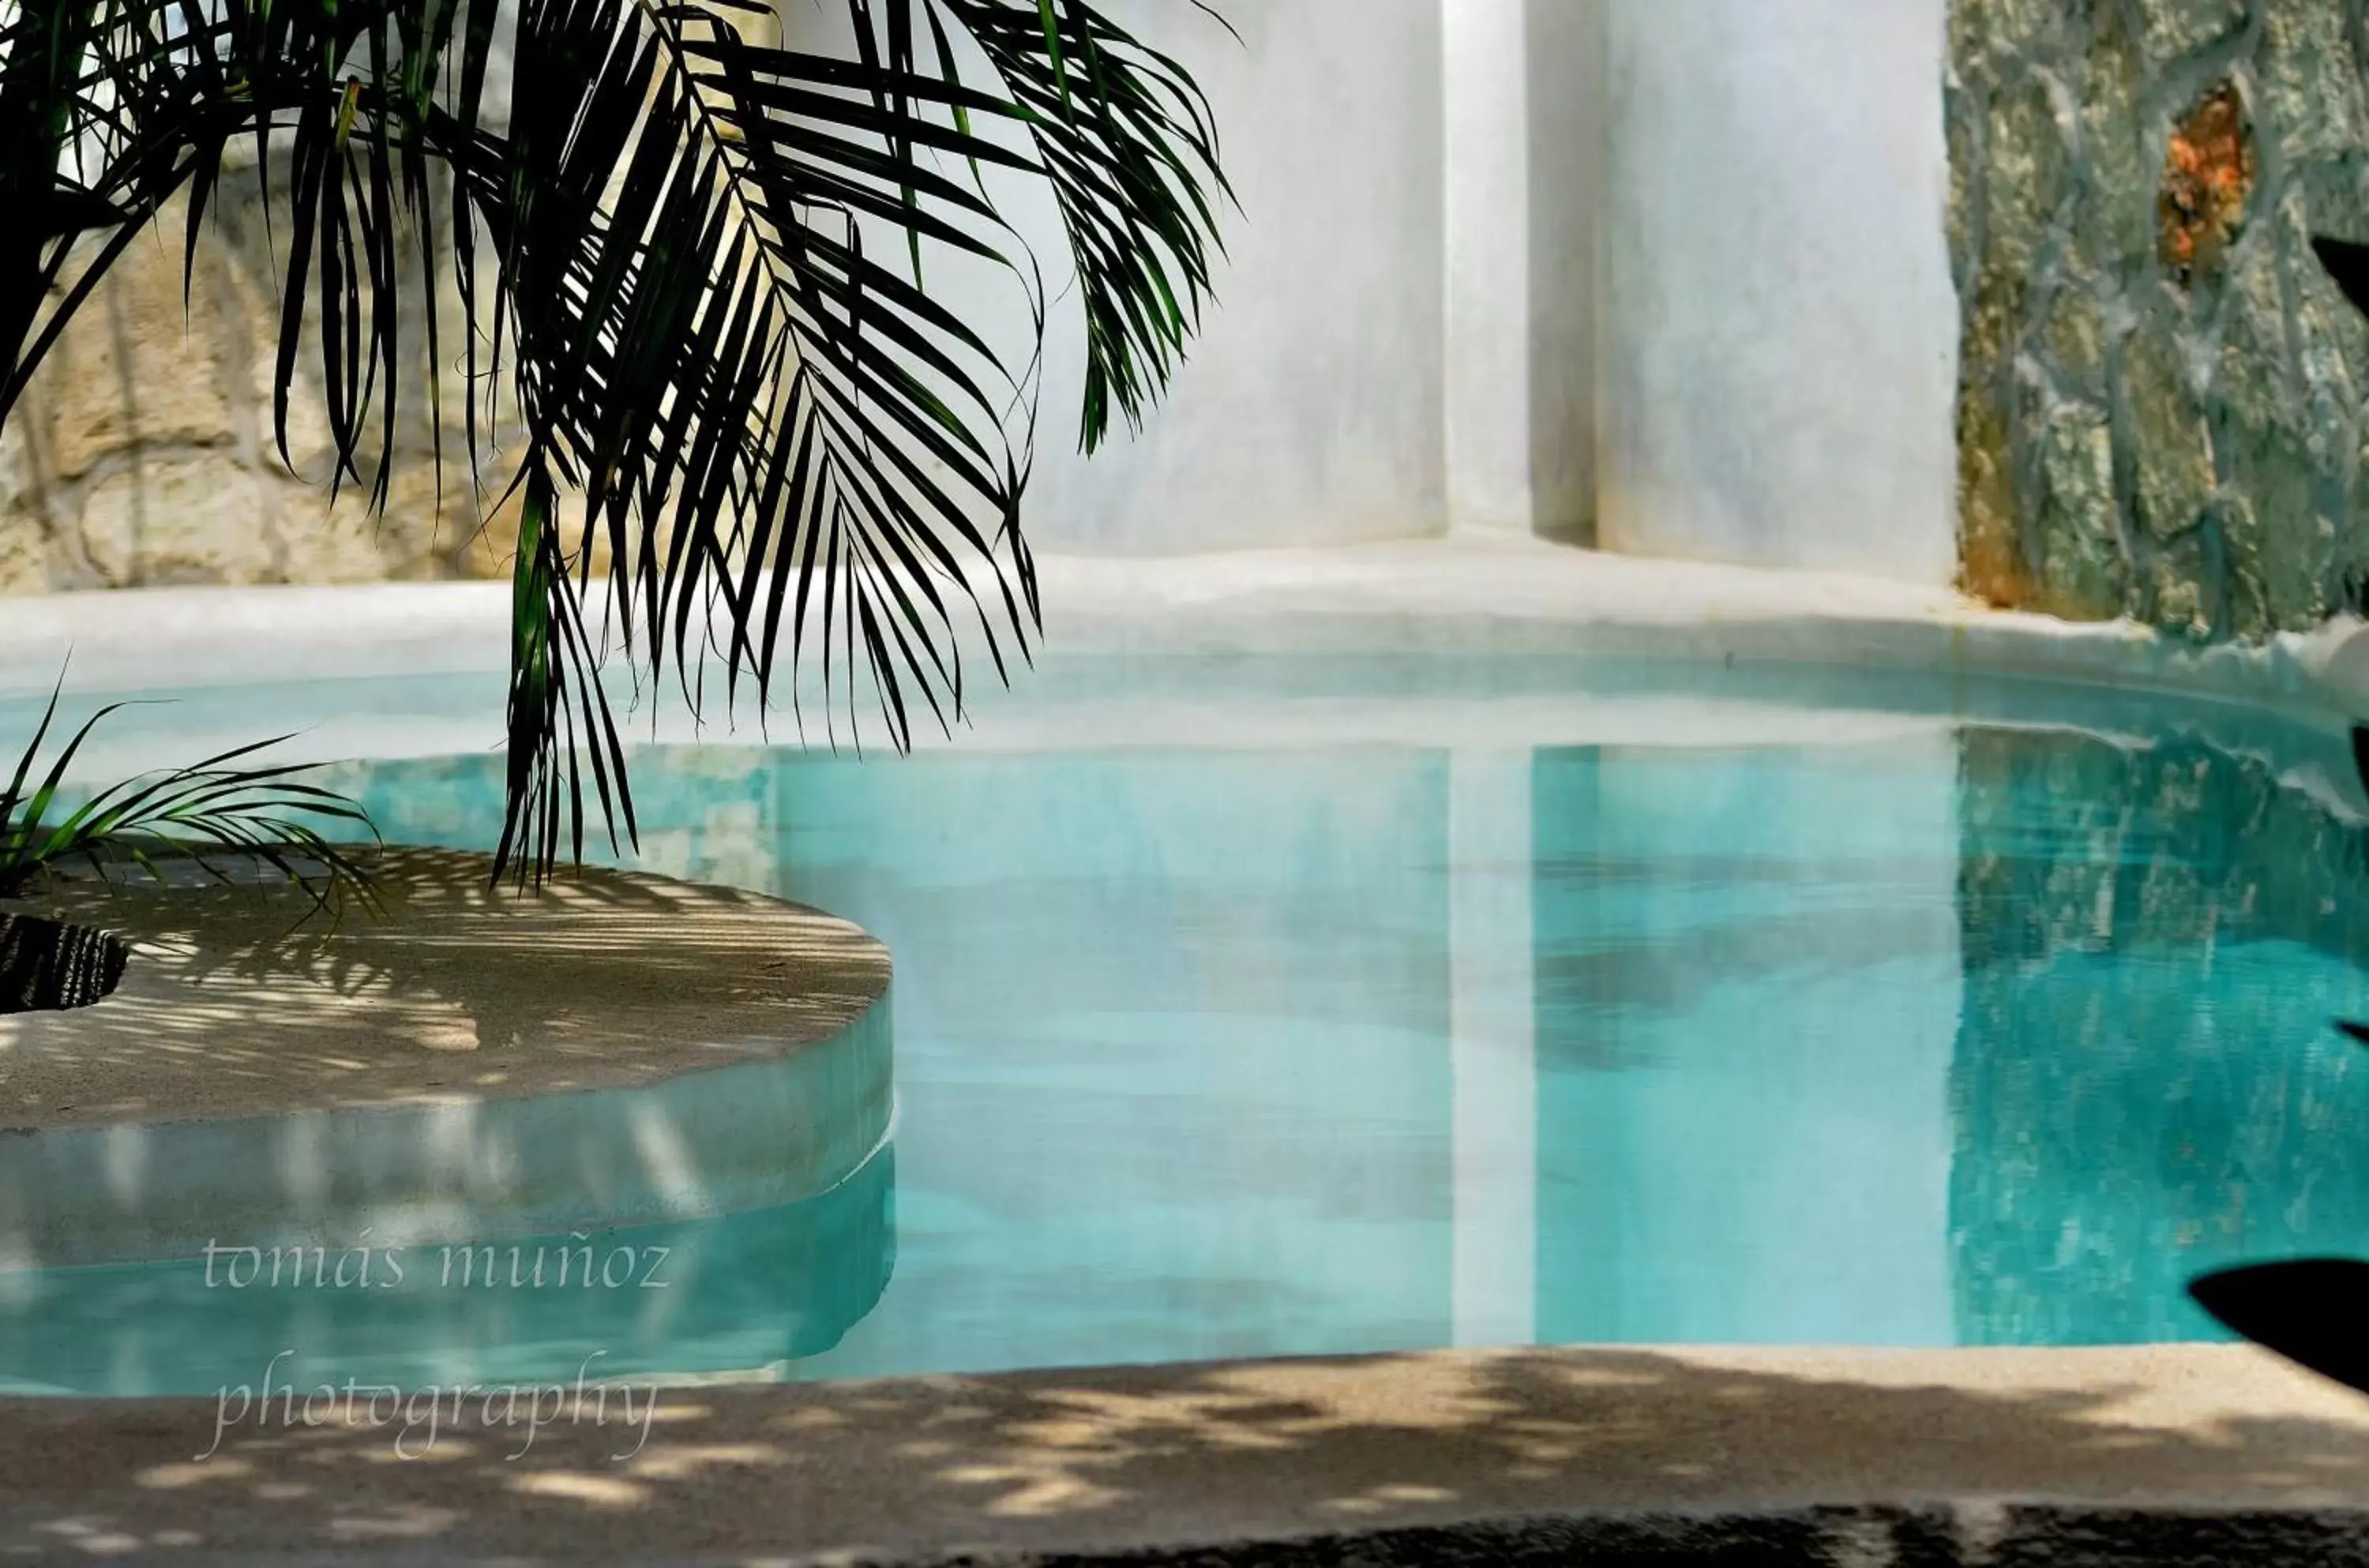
[{"x": 1645, "y": 1004}]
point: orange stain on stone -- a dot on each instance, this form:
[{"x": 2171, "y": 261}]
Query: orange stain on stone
[{"x": 2208, "y": 179}]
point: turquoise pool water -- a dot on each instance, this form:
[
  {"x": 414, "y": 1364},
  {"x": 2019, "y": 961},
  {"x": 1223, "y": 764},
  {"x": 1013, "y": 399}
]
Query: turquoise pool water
[{"x": 1908, "y": 1014}]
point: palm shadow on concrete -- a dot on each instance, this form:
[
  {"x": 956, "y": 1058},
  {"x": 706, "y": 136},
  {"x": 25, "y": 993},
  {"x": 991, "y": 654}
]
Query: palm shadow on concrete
[
  {"x": 234, "y": 1004},
  {"x": 1534, "y": 1456},
  {"x": 622, "y": 1051}
]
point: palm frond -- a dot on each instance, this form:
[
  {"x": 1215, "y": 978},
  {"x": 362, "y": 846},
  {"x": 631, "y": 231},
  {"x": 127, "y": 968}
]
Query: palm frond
[
  {"x": 1126, "y": 138},
  {"x": 210, "y": 815},
  {"x": 696, "y": 264}
]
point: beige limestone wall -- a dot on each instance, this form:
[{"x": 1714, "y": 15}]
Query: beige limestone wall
[{"x": 143, "y": 452}]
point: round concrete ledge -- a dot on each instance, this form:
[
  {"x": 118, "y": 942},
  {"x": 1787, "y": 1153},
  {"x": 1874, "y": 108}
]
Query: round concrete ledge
[
  {"x": 237, "y": 1004},
  {"x": 737, "y": 1296},
  {"x": 470, "y": 1063}
]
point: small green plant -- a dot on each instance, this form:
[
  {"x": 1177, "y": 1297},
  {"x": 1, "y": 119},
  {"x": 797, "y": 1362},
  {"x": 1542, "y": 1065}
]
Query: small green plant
[{"x": 190, "y": 815}]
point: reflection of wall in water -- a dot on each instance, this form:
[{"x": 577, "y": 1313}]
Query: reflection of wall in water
[
  {"x": 1186, "y": 1010},
  {"x": 1747, "y": 967},
  {"x": 1074, "y": 921},
  {"x": 2145, "y": 1083}
]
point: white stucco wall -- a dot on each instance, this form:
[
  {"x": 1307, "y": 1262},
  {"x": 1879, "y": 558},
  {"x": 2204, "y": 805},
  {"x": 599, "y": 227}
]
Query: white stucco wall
[
  {"x": 1778, "y": 354},
  {"x": 1308, "y": 411},
  {"x": 1663, "y": 275},
  {"x": 1667, "y": 276},
  {"x": 1402, "y": 342}
]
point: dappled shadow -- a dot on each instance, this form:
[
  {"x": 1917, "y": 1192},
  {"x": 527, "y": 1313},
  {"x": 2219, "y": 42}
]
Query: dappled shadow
[
  {"x": 1092, "y": 1461},
  {"x": 230, "y": 1007},
  {"x": 622, "y": 1051}
]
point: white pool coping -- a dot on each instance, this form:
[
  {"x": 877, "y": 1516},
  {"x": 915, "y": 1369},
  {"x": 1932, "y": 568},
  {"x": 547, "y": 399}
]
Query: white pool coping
[{"x": 1410, "y": 597}]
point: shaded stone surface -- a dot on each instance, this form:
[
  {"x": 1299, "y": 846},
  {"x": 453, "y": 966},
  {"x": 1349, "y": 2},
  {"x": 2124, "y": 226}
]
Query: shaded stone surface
[
  {"x": 144, "y": 451},
  {"x": 46, "y": 966},
  {"x": 2161, "y": 395}
]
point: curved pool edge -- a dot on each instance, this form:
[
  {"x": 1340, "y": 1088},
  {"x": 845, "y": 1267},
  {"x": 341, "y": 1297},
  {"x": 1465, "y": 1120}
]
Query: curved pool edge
[
  {"x": 743, "y": 1295},
  {"x": 1415, "y": 596},
  {"x": 378, "y": 1087},
  {"x": 2175, "y": 1454},
  {"x": 717, "y": 1141}
]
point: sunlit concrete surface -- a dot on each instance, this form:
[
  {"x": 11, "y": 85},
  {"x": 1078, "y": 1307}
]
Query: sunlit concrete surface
[
  {"x": 1192, "y": 651},
  {"x": 2189, "y": 1455}
]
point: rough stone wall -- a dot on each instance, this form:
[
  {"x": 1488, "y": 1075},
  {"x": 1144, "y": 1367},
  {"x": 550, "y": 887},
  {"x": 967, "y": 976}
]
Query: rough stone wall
[
  {"x": 143, "y": 452},
  {"x": 2161, "y": 402}
]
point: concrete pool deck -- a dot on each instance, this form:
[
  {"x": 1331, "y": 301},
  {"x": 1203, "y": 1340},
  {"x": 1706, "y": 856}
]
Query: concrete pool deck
[
  {"x": 2192, "y": 1455},
  {"x": 1746, "y": 658}
]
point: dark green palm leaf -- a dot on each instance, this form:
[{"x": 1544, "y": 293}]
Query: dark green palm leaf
[
  {"x": 198, "y": 815},
  {"x": 696, "y": 265}
]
